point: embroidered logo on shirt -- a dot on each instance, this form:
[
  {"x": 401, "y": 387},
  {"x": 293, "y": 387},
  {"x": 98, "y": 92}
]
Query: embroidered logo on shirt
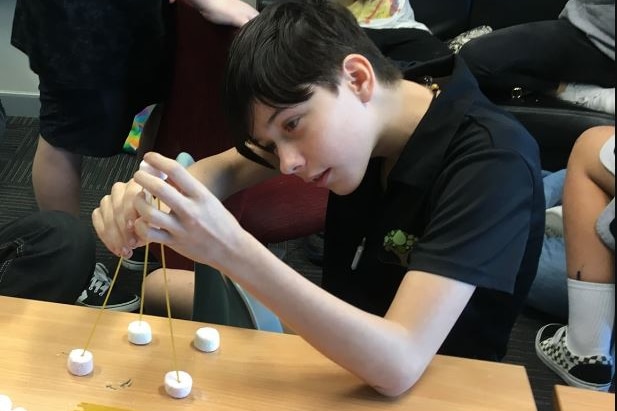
[{"x": 400, "y": 244}]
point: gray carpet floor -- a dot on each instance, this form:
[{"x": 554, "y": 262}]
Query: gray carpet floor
[{"x": 16, "y": 199}]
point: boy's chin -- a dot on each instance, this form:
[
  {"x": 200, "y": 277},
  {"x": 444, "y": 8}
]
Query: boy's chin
[{"x": 343, "y": 189}]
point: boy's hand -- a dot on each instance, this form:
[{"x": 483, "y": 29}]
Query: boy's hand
[
  {"x": 227, "y": 12},
  {"x": 195, "y": 224},
  {"x": 114, "y": 219}
]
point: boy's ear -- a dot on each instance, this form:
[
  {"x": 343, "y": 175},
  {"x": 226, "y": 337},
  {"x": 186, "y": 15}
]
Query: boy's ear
[{"x": 358, "y": 74}]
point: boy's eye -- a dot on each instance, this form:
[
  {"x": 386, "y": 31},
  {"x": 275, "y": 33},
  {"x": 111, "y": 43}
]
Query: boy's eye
[
  {"x": 270, "y": 148},
  {"x": 292, "y": 124}
]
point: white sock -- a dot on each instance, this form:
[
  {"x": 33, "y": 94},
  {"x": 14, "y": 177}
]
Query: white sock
[
  {"x": 590, "y": 96},
  {"x": 591, "y": 317}
]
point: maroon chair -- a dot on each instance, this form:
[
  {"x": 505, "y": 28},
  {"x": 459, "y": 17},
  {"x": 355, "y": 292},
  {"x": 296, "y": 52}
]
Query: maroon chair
[{"x": 193, "y": 121}]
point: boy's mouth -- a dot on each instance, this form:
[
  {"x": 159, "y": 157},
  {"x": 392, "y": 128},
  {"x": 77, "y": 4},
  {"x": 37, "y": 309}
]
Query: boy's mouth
[{"x": 321, "y": 179}]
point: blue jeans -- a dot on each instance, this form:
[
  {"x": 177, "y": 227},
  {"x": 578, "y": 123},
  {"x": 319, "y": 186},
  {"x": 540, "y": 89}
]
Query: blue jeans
[
  {"x": 549, "y": 291},
  {"x": 46, "y": 256}
]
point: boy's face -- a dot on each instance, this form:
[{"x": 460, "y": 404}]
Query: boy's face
[{"x": 326, "y": 140}]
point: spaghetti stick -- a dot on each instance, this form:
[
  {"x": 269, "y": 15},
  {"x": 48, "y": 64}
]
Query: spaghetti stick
[
  {"x": 171, "y": 328},
  {"x": 143, "y": 283},
  {"x": 113, "y": 281}
]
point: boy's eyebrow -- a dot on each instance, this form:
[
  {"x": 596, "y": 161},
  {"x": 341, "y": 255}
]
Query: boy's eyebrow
[{"x": 276, "y": 113}]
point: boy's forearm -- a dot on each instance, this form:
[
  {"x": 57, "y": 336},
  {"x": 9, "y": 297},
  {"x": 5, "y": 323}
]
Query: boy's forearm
[
  {"x": 229, "y": 172},
  {"x": 365, "y": 344}
]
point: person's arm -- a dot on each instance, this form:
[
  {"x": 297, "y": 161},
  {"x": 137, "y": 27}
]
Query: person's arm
[
  {"x": 227, "y": 12},
  {"x": 229, "y": 172},
  {"x": 389, "y": 353}
]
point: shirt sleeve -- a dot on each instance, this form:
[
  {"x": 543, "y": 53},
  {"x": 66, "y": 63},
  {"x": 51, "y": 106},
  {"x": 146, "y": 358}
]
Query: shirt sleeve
[{"x": 480, "y": 221}]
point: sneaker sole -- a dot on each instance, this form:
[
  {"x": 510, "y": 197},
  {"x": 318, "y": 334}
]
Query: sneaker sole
[
  {"x": 563, "y": 374},
  {"x": 127, "y": 307},
  {"x": 138, "y": 266}
]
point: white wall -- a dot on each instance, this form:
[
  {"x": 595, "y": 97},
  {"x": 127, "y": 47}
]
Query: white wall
[{"x": 18, "y": 84}]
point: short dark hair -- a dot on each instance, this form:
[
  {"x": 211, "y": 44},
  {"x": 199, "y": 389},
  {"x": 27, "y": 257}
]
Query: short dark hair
[{"x": 291, "y": 46}]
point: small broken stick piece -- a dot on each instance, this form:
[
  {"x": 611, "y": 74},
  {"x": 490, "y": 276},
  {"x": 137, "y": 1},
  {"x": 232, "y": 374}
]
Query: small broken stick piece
[
  {"x": 178, "y": 384},
  {"x": 80, "y": 362}
]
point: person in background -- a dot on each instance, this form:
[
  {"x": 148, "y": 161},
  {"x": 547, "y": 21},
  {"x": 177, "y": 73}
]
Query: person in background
[
  {"x": 99, "y": 64},
  {"x": 549, "y": 291},
  {"x": 393, "y": 28},
  {"x": 436, "y": 213},
  {"x": 581, "y": 352},
  {"x": 571, "y": 57},
  {"x": 46, "y": 256}
]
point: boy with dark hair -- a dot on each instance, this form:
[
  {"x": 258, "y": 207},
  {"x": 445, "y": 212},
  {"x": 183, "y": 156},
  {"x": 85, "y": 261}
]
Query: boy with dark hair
[{"x": 436, "y": 214}]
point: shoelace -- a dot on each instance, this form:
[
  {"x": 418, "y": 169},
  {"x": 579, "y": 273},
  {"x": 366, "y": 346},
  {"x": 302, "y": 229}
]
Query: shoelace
[
  {"x": 557, "y": 337},
  {"x": 99, "y": 283}
]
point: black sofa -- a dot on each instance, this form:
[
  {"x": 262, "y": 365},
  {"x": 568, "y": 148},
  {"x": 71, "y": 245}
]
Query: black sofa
[{"x": 555, "y": 124}]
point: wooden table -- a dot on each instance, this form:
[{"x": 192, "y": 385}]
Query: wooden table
[
  {"x": 252, "y": 370},
  {"x": 578, "y": 399}
]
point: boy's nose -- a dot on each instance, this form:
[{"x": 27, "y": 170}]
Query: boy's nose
[{"x": 290, "y": 161}]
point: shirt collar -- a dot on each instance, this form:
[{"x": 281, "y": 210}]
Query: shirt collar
[{"x": 422, "y": 156}]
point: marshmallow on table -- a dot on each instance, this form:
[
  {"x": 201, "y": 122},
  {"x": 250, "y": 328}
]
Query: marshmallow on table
[
  {"x": 80, "y": 362},
  {"x": 140, "y": 333},
  {"x": 5, "y": 403},
  {"x": 178, "y": 388},
  {"x": 143, "y": 166},
  {"x": 207, "y": 339}
]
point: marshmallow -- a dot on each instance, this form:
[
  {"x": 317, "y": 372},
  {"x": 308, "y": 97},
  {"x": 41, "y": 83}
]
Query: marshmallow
[
  {"x": 5, "y": 403},
  {"x": 19, "y": 409},
  {"x": 80, "y": 362},
  {"x": 140, "y": 333},
  {"x": 175, "y": 388},
  {"x": 207, "y": 339},
  {"x": 143, "y": 166}
]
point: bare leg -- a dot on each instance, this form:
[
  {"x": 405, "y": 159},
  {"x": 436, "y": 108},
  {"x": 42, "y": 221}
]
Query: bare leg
[
  {"x": 588, "y": 188},
  {"x": 56, "y": 178},
  {"x": 581, "y": 351},
  {"x": 181, "y": 285}
]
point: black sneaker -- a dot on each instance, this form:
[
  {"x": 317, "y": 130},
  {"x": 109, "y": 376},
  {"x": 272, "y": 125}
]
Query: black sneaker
[
  {"x": 95, "y": 294},
  {"x": 136, "y": 262},
  {"x": 593, "y": 372}
]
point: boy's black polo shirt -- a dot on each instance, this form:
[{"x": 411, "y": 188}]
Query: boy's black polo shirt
[{"x": 464, "y": 200}]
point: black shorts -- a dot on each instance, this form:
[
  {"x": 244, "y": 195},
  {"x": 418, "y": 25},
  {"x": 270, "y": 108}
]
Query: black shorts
[{"x": 93, "y": 122}]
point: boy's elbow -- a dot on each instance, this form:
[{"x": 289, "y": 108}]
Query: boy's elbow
[{"x": 398, "y": 381}]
